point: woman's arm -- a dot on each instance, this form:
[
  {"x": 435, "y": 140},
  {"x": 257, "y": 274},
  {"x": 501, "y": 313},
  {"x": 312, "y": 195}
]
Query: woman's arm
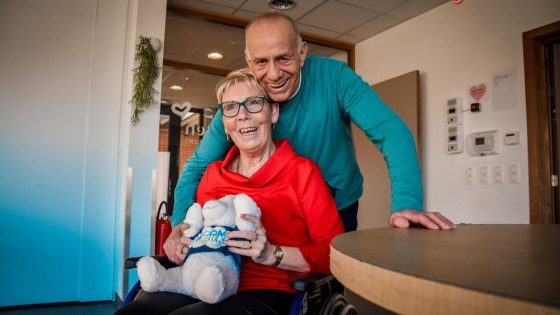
[{"x": 323, "y": 221}]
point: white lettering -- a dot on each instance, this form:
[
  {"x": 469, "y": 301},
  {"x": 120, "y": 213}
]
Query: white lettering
[{"x": 195, "y": 130}]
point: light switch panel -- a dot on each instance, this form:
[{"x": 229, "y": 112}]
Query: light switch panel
[{"x": 484, "y": 174}]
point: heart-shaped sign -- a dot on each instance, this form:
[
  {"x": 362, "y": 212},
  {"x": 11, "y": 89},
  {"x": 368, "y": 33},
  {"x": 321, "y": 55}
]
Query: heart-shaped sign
[
  {"x": 477, "y": 92},
  {"x": 181, "y": 109}
]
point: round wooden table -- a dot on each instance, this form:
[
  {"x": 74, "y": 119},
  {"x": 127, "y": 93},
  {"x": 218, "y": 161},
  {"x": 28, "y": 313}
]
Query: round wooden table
[{"x": 474, "y": 269}]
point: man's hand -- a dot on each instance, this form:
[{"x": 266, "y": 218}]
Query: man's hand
[
  {"x": 173, "y": 247},
  {"x": 431, "y": 220}
]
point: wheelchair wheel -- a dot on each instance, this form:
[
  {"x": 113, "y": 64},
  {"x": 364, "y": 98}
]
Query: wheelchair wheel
[
  {"x": 337, "y": 305},
  {"x": 349, "y": 309}
]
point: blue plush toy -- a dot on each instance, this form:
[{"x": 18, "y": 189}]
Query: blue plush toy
[{"x": 210, "y": 272}]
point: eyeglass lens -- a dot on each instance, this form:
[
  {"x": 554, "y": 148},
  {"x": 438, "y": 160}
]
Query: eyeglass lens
[{"x": 253, "y": 105}]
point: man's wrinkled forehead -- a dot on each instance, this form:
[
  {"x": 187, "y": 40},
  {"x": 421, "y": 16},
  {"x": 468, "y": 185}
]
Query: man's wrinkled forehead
[{"x": 256, "y": 31}]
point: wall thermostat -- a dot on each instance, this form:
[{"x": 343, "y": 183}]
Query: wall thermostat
[{"x": 483, "y": 143}]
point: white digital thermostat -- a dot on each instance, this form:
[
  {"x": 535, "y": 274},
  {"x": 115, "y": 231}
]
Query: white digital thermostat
[{"x": 483, "y": 143}]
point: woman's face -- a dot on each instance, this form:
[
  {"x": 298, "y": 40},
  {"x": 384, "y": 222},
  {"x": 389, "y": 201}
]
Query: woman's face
[{"x": 251, "y": 133}]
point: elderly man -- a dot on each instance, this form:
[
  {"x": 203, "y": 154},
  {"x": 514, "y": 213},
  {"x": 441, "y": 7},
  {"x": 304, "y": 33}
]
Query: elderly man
[{"x": 319, "y": 98}]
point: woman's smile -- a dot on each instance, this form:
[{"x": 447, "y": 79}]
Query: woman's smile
[{"x": 248, "y": 131}]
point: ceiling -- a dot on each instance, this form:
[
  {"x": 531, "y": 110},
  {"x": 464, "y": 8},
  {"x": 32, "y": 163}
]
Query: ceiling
[{"x": 190, "y": 40}]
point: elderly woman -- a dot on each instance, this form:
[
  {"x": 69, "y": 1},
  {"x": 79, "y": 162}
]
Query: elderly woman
[{"x": 299, "y": 216}]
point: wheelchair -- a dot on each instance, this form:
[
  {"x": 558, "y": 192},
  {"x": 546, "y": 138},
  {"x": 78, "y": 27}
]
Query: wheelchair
[{"x": 317, "y": 294}]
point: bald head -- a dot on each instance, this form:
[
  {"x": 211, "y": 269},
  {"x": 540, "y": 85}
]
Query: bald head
[
  {"x": 275, "y": 18},
  {"x": 275, "y": 54}
]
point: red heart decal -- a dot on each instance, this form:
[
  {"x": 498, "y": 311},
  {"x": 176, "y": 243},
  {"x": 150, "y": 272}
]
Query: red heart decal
[{"x": 477, "y": 92}]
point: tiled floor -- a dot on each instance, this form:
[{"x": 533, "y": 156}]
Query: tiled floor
[
  {"x": 108, "y": 308},
  {"x": 100, "y": 308}
]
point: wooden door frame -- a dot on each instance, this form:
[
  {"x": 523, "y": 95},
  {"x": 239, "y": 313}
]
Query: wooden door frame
[{"x": 538, "y": 126}]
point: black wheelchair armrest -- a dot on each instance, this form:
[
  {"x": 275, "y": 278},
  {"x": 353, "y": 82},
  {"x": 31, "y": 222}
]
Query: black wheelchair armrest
[
  {"x": 130, "y": 262},
  {"x": 311, "y": 281},
  {"x": 319, "y": 294}
]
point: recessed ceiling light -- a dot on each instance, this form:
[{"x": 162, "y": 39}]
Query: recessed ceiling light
[
  {"x": 282, "y": 4},
  {"x": 214, "y": 55},
  {"x": 176, "y": 87},
  {"x": 187, "y": 78}
]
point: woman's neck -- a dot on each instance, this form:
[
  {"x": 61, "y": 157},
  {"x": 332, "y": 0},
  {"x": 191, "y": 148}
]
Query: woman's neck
[{"x": 248, "y": 163}]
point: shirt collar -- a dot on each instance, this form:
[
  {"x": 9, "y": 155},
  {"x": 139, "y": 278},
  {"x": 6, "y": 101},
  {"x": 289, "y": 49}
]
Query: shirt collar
[{"x": 299, "y": 86}]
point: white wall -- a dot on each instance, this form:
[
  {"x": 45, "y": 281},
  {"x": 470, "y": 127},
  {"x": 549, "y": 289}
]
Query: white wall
[
  {"x": 60, "y": 88},
  {"x": 454, "y": 47},
  {"x": 67, "y": 142}
]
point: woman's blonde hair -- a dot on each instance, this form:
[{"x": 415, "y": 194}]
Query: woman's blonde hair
[{"x": 238, "y": 76}]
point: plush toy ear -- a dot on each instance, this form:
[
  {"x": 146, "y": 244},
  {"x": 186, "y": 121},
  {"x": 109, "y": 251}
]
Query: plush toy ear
[
  {"x": 194, "y": 219},
  {"x": 228, "y": 200},
  {"x": 244, "y": 204}
]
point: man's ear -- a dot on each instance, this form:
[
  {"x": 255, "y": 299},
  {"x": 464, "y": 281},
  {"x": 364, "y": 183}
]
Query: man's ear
[
  {"x": 303, "y": 53},
  {"x": 248, "y": 59}
]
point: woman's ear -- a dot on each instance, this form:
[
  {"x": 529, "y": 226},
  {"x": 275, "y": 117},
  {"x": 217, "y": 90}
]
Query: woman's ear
[{"x": 275, "y": 112}]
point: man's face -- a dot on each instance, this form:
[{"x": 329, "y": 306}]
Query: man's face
[{"x": 275, "y": 58}]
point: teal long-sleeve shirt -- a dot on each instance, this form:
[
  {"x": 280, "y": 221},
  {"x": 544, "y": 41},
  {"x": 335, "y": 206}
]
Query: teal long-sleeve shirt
[{"x": 317, "y": 123}]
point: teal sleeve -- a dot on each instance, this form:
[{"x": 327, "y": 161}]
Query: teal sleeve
[
  {"x": 212, "y": 147},
  {"x": 390, "y": 135}
]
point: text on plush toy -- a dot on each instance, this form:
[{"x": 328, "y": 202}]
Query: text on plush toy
[{"x": 213, "y": 237}]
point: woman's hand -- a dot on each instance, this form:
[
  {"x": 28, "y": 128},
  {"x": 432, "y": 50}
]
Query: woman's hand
[
  {"x": 175, "y": 246},
  {"x": 251, "y": 244}
]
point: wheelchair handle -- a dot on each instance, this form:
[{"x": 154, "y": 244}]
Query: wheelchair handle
[{"x": 130, "y": 262}]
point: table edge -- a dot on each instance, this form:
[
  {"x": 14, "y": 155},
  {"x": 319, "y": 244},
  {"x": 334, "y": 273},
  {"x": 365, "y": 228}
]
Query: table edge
[{"x": 384, "y": 286}]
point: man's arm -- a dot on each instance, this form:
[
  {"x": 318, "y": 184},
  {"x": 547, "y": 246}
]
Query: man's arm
[
  {"x": 212, "y": 147},
  {"x": 390, "y": 135}
]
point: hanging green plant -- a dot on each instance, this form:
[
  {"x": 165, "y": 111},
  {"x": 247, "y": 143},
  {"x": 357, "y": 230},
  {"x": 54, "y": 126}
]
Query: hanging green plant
[{"x": 145, "y": 75}]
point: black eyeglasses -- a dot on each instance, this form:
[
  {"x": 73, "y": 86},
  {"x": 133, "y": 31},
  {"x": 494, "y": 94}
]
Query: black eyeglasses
[{"x": 252, "y": 104}]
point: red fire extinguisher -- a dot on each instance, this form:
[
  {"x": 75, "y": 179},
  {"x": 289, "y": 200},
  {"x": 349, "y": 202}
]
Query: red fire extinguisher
[{"x": 163, "y": 228}]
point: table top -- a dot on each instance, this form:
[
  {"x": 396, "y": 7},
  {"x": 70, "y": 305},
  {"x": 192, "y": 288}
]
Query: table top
[{"x": 480, "y": 268}]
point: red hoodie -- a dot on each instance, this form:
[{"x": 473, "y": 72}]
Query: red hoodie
[{"x": 297, "y": 211}]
